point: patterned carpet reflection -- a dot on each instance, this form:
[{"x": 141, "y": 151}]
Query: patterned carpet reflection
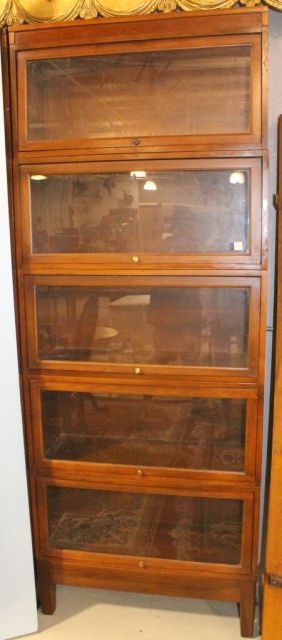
[{"x": 181, "y": 528}]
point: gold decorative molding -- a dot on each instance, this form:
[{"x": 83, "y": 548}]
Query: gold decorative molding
[
  {"x": 124, "y": 7},
  {"x": 19, "y": 11},
  {"x": 5, "y": 8},
  {"x": 199, "y": 5},
  {"x": 87, "y": 10}
]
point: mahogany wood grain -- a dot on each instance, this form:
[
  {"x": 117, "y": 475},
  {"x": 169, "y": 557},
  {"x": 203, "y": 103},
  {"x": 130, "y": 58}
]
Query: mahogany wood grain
[
  {"x": 232, "y": 150},
  {"x": 46, "y": 589},
  {"x": 252, "y": 138},
  {"x": 271, "y": 613},
  {"x": 85, "y": 155},
  {"x": 211, "y": 23},
  {"x": 247, "y": 608}
]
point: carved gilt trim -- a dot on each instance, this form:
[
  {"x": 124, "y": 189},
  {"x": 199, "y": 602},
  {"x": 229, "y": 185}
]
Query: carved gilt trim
[
  {"x": 87, "y": 10},
  {"x": 109, "y": 8},
  {"x": 46, "y": 11},
  {"x": 198, "y": 5},
  {"x": 19, "y": 11},
  {"x": 5, "y": 8}
]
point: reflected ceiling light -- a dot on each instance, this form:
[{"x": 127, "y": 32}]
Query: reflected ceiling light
[
  {"x": 38, "y": 177},
  {"x": 150, "y": 185},
  {"x": 138, "y": 174},
  {"x": 237, "y": 177}
]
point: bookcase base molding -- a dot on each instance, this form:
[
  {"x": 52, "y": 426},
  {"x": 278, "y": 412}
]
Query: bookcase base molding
[{"x": 241, "y": 591}]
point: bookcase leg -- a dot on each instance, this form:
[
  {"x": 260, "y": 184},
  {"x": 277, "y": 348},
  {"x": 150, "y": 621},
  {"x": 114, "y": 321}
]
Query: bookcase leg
[
  {"x": 247, "y": 608},
  {"x": 46, "y": 593}
]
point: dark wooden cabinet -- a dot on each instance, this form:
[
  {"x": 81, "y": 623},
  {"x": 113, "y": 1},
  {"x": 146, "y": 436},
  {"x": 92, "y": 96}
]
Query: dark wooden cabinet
[{"x": 140, "y": 243}]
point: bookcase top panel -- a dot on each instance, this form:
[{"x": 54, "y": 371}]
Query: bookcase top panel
[{"x": 17, "y": 12}]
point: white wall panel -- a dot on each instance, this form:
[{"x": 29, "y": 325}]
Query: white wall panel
[{"x": 18, "y": 614}]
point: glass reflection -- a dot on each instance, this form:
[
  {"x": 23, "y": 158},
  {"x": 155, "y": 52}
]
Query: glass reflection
[
  {"x": 152, "y": 526},
  {"x": 196, "y": 433},
  {"x": 202, "y": 326},
  {"x": 176, "y": 211},
  {"x": 155, "y": 93}
]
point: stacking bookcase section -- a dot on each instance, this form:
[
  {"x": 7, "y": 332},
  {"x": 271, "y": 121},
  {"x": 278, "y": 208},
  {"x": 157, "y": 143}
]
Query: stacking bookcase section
[
  {"x": 197, "y": 324},
  {"x": 187, "y": 528},
  {"x": 140, "y": 246},
  {"x": 154, "y": 433},
  {"x": 146, "y": 214},
  {"x": 149, "y": 92},
  {"x": 148, "y": 536}
]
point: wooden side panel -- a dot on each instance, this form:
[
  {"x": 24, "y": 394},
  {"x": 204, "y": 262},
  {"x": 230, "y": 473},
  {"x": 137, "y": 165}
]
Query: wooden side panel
[
  {"x": 272, "y": 611},
  {"x": 272, "y": 623}
]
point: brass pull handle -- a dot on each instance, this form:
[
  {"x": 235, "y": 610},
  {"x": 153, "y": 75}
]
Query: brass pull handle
[
  {"x": 141, "y": 564},
  {"x": 137, "y": 371},
  {"x": 135, "y": 259},
  {"x": 140, "y": 473}
]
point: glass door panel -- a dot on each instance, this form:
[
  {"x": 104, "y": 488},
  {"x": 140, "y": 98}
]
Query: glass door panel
[
  {"x": 180, "y": 432},
  {"x": 155, "y": 526},
  {"x": 147, "y": 94},
  {"x": 162, "y": 212},
  {"x": 200, "y": 326}
]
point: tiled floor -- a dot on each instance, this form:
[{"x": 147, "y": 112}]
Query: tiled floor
[{"x": 89, "y": 614}]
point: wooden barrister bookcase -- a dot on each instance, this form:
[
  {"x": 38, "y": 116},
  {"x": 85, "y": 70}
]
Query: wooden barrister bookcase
[{"x": 137, "y": 182}]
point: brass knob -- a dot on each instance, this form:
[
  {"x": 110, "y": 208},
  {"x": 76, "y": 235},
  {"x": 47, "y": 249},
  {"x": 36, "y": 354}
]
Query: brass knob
[
  {"x": 137, "y": 370},
  {"x": 141, "y": 564},
  {"x": 140, "y": 473},
  {"x": 135, "y": 259}
]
